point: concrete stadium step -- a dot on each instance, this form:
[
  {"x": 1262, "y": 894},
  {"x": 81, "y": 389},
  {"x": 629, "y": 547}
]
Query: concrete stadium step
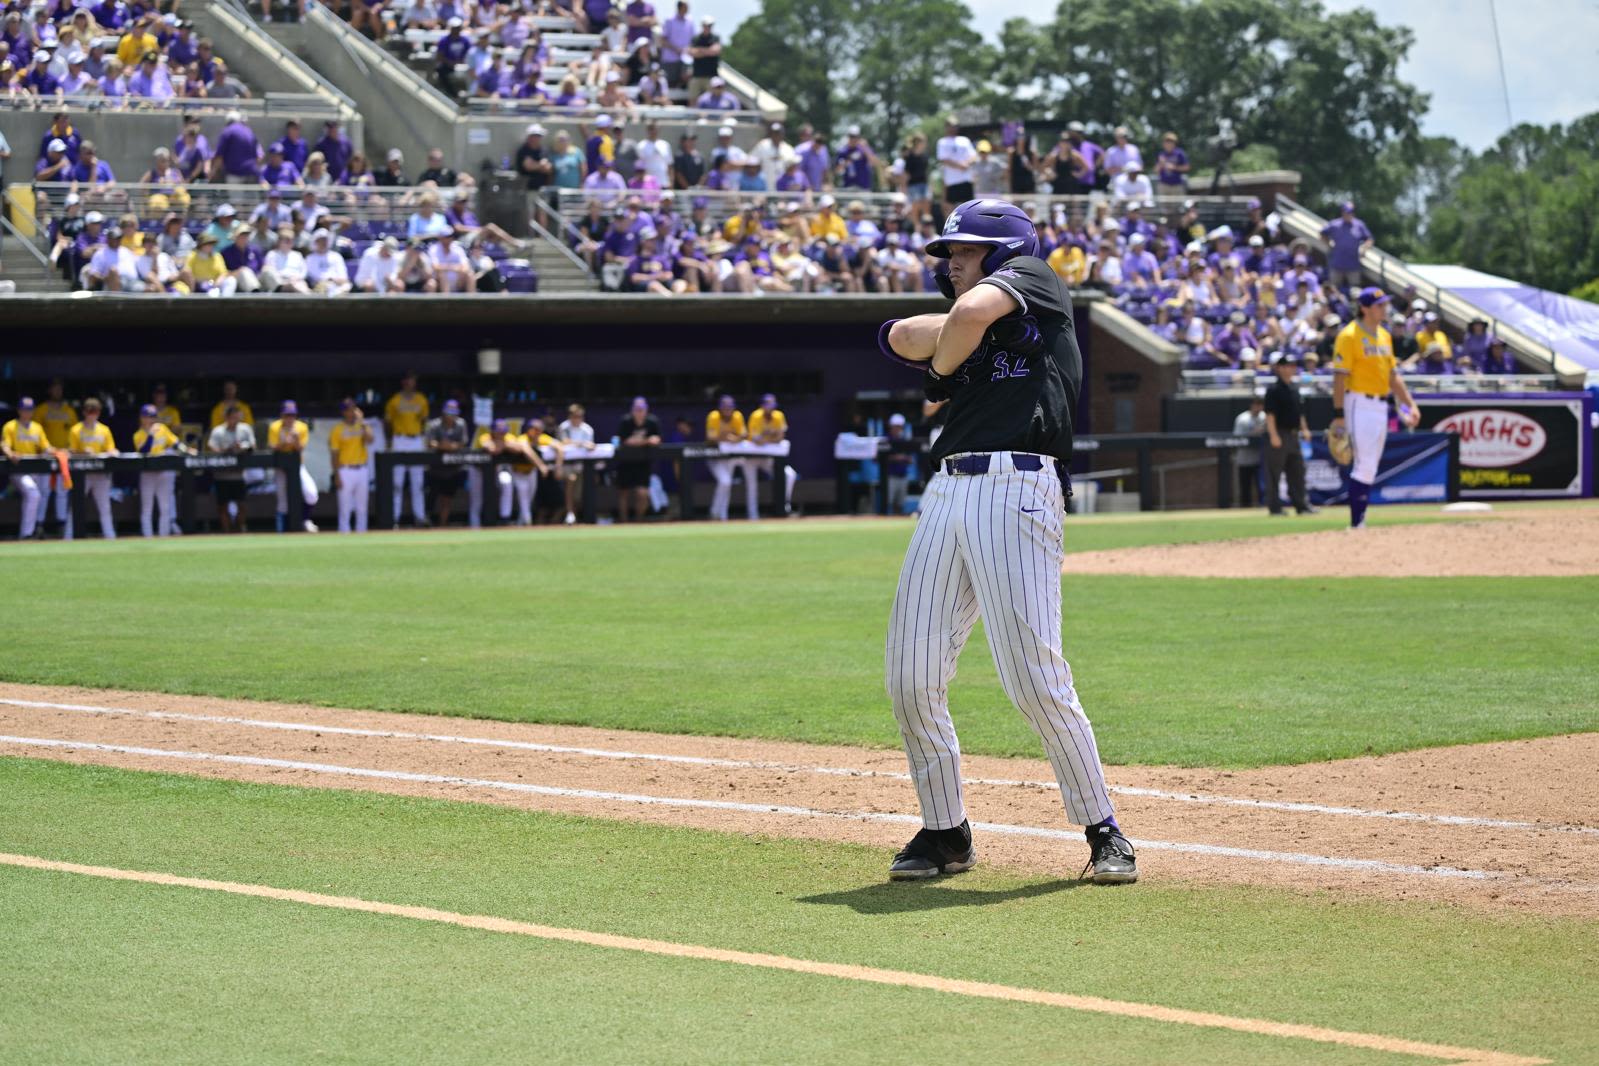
[{"x": 28, "y": 277}]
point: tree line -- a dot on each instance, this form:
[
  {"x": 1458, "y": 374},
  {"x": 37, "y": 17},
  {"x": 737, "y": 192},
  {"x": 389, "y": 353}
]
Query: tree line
[{"x": 1299, "y": 87}]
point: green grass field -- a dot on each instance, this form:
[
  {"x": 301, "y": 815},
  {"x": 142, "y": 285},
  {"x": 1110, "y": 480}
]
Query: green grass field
[
  {"x": 96, "y": 971},
  {"x": 777, "y": 632}
]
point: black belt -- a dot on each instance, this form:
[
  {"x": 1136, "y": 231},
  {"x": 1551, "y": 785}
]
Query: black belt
[{"x": 979, "y": 464}]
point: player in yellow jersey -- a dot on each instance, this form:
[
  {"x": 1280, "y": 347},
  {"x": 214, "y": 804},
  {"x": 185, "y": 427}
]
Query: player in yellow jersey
[
  {"x": 523, "y": 477},
  {"x": 23, "y": 438},
  {"x": 348, "y": 441},
  {"x": 725, "y": 425},
  {"x": 57, "y": 417},
  {"x": 93, "y": 437},
  {"x": 287, "y": 433},
  {"x": 154, "y": 438},
  {"x": 404, "y": 417},
  {"x": 230, "y": 398},
  {"x": 165, "y": 413},
  {"x": 768, "y": 425},
  {"x": 1364, "y": 374}
]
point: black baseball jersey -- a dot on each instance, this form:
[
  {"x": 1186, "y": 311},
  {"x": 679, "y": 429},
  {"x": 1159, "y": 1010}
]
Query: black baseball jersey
[{"x": 1005, "y": 402}]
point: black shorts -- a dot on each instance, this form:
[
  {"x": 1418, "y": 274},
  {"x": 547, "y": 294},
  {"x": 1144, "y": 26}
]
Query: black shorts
[
  {"x": 959, "y": 193},
  {"x": 446, "y": 482},
  {"x": 632, "y": 475},
  {"x": 228, "y": 491}
]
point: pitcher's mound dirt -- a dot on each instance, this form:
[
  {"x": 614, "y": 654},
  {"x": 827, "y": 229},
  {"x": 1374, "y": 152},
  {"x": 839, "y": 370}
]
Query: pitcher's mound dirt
[{"x": 1562, "y": 543}]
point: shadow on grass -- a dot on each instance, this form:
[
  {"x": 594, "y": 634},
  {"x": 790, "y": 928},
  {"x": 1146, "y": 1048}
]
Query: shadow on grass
[{"x": 899, "y": 897}]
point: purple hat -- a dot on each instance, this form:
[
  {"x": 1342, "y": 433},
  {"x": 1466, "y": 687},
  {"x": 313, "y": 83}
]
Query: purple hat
[
  {"x": 769, "y": 398},
  {"x": 1371, "y": 296},
  {"x": 1347, "y": 207},
  {"x": 290, "y": 408},
  {"x": 148, "y": 410},
  {"x": 26, "y": 404},
  {"x": 499, "y": 425},
  {"x": 452, "y": 407},
  {"x": 276, "y": 146},
  {"x": 639, "y": 401},
  {"x": 701, "y": 201},
  {"x": 725, "y": 400},
  {"x": 1254, "y": 202},
  {"x": 346, "y": 404}
]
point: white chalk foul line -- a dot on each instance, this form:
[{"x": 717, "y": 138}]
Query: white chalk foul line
[
  {"x": 836, "y": 771},
  {"x": 1463, "y": 1056},
  {"x": 787, "y": 810}
]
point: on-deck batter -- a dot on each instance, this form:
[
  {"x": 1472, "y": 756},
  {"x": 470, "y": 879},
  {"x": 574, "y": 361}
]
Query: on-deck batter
[
  {"x": 989, "y": 537},
  {"x": 1364, "y": 373}
]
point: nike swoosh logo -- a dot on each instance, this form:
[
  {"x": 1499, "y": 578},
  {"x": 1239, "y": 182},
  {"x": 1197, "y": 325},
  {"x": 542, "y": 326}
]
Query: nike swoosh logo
[{"x": 1031, "y": 510}]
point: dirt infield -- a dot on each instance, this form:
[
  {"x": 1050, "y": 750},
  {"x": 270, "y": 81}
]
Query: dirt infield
[
  {"x": 1456, "y": 825},
  {"x": 1555, "y": 543}
]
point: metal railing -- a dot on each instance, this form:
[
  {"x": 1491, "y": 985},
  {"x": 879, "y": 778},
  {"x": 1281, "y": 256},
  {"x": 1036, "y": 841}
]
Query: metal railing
[
  {"x": 267, "y": 105},
  {"x": 488, "y": 107},
  {"x": 243, "y": 23},
  {"x": 198, "y": 202},
  {"x": 1226, "y": 381}
]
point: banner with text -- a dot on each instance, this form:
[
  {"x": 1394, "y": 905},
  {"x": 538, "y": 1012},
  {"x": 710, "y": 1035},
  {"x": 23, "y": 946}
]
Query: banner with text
[
  {"x": 1414, "y": 469},
  {"x": 1517, "y": 444}
]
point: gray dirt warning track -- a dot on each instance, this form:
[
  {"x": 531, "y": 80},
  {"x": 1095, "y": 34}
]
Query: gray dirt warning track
[{"x": 1455, "y": 825}]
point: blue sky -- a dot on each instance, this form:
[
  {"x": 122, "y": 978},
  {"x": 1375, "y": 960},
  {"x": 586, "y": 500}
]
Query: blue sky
[{"x": 1551, "y": 55}]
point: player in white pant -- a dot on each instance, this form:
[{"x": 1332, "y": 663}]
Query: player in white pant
[
  {"x": 348, "y": 442},
  {"x": 24, "y": 438},
  {"x": 768, "y": 425},
  {"x": 1365, "y": 372},
  {"x": 522, "y": 480},
  {"x": 93, "y": 437},
  {"x": 988, "y": 540},
  {"x": 157, "y": 487},
  {"x": 725, "y": 425},
  {"x": 405, "y": 416}
]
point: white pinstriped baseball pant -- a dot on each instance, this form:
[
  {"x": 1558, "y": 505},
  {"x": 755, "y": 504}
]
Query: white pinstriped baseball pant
[{"x": 990, "y": 544}]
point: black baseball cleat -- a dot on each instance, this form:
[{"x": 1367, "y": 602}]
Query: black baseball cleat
[
  {"x": 1110, "y": 856},
  {"x": 935, "y": 851}
]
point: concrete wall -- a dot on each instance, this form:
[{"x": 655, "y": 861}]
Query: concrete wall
[{"x": 254, "y": 55}]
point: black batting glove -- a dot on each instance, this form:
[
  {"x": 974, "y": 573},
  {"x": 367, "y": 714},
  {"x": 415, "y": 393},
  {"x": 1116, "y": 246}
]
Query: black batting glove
[
  {"x": 1019, "y": 335},
  {"x": 938, "y": 387}
]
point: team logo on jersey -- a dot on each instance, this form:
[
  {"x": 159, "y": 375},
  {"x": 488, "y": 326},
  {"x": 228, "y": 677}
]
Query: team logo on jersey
[{"x": 1492, "y": 437}]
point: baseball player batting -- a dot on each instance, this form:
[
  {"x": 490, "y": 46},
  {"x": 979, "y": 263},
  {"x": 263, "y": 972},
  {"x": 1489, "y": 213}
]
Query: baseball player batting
[
  {"x": 1364, "y": 374},
  {"x": 989, "y": 537}
]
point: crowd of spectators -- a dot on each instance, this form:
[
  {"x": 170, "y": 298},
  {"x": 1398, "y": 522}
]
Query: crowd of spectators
[
  {"x": 124, "y": 54},
  {"x": 543, "y": 450},
  {"x": 315, "y": 219},
  {"x": 1233, "y": 299}
]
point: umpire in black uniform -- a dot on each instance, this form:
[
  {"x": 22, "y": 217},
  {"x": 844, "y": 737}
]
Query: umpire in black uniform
[{"x": 1285, "y": 429}]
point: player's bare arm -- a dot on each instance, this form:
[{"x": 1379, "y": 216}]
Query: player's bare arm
[
  {"x": 978, "y": 308},
  {"x": 1409, "y": 410},
  {"x": 916, "y": 338}
]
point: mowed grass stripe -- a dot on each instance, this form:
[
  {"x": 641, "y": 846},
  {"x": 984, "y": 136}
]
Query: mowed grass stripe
[
  {"x": 872, "y": 975},
  {"x": 780, "y": 636},
  {"x": 1434, "y": 974}
]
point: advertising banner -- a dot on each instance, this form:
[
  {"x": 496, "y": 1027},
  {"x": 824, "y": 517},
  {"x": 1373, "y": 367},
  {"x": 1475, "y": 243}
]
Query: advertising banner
[
  {"x": 1415, "y": 468},
  {"x": 1517, "y": 444}
]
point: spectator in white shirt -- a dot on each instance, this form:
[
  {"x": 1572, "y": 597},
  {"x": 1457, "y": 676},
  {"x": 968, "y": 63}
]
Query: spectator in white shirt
[
  {"x": 1131, "y": 184},
  {"x": 155, "y": 269},
  {"x": 614, "y": 35},
  {"x": 283, "y": 269},
  {"x": 604, "y": 185},
  {"x": 379, "y": 270},
  {"x": 774, "y": 154},
  {"x": 451, "y": 264},
  {"x": 420, "y": 15},
  {"x": 956, "y": 155},
  {"x": 573, "y": 433},
  {"x": 654, "y": 155},
  {"x": 324, "y": 268},
  {"x": 428, "y": 221}
]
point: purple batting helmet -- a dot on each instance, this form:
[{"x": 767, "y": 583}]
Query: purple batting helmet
[{"x": 997, "y": 223}]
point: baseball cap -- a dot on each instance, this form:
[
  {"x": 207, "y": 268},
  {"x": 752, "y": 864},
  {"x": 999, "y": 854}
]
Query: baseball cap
[
  {"x": 57, "y": 145},
  {"x": 647, "y": 233},
  {"x": 1430, "y": 316},
  {"x": 775, "y": 126},
  {"x": 76, "y": 56},
  {"x": 452, "y": 407},
  {"x": 1238, "y": 318},
  {"x": 717, "y": 83},
  {"x": 392, "y": 243},
  {"x": 1257, "y": 241},
  {"x": 896, "y": 420},
  {"x": 346, "y": 404},
  {"x": 73, "y": 198},
  {"x": 321, "y": 235},
  {"x": 41, "y": 56},
  {"x": 275, "y": 192},
  {"x": 1132, "y": 166},
  {"x": 224, "y": 210},
  {"x": 1248, "y": 355},
  {"x": 1076, "y": 127},
  {"x": 1137, "y": 238},
  {"x": 1371, "y": 296},
  {"x": 26, "y": 404},
  {"x": 853, "y": 131},
  {"x": 725, "y": 131},
  {"x": 982, "y": 146},
  {"x": 147, "y": 411},
  {"x": 92, "y": 217},
  {"x": 455, "y": 24},
  {"x": 769, "y": 397},
  {"x": 603, "y": 121},
  {"x": 535, "y": 130},
  {"x": 1284, "y": 359},
  {"x": 395, "y": 155},
  {"x": 499, "y": 425},
  {"x": 1347, "y": 207},
  {"x": 289, "y": 408},
  {"x": 276, "y": 146}
]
